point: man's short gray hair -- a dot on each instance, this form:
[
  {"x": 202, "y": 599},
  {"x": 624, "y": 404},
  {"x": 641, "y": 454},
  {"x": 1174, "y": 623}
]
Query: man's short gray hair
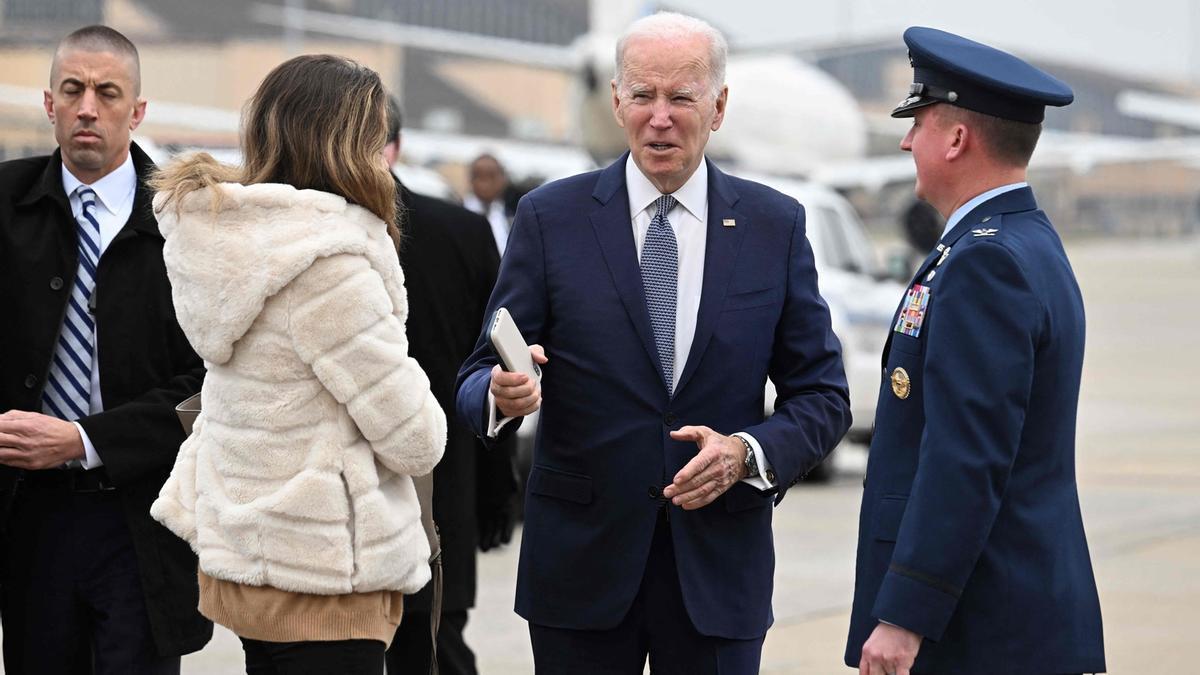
[
  {"x": 100, "y": 39},
  {"x": 667, "y": 25}
]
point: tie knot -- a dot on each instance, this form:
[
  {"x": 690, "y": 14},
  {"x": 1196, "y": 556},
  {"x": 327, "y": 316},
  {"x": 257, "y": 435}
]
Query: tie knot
[
  {"x": 87, "y": 196},
  {"x": 663, "y": 205}
]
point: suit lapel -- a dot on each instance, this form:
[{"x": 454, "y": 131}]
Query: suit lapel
[
  {"x": 614, "y": 232},
  {"x": 720, "y": 257}
]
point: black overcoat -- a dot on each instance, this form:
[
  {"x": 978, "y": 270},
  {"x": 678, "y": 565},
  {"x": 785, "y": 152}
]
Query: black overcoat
[
  {"x": 146, "y": 366},
  {"x": 450, "y": 264}
]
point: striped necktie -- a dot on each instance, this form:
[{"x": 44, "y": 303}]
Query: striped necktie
[
  {"x": 660, "y": 264},
  {"x": 68, "y": 387}
]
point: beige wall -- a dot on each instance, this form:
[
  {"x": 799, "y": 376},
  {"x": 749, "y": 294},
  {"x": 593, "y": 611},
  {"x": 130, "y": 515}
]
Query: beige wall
[
  {"x": 224, "y": 76},
  {"x": 207, "y": 75}
]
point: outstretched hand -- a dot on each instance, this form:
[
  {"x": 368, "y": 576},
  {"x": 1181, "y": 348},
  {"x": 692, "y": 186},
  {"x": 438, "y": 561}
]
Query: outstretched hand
[{"x": 720, "y": 463}]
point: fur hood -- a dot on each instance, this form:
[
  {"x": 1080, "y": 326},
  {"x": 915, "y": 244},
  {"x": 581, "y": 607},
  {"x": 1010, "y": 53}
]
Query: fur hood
[{"x": 233, "y": 252}]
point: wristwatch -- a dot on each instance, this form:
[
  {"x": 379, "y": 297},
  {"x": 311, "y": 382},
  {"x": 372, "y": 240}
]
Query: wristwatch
[{"x": 751, "y": 460}]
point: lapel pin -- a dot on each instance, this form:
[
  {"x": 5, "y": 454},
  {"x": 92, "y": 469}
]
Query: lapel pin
[
  {"x": 929, "y": 277},
  {"x": 945, "y": 254},
  {"x": 729, "y": 222}
]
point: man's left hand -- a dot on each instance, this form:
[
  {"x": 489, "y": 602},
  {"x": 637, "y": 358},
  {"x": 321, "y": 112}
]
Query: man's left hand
[
  {"x": 891, "y": 650},
  {"x": 720, "y": 464},
  {"x": 31, "y": 440}
]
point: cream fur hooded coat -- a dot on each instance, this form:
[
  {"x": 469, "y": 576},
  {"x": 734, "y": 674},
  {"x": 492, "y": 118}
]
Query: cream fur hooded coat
[{"x": 297, "y": 472}]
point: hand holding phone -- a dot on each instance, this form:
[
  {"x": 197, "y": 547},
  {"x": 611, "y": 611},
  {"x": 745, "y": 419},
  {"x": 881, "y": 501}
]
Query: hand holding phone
[
  {"x": 515, "y": 380},
  {"x": 510, "y": 346}
]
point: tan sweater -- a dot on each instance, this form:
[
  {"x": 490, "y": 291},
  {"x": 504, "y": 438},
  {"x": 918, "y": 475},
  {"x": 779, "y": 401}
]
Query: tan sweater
[{"x": 271, "y": 615}]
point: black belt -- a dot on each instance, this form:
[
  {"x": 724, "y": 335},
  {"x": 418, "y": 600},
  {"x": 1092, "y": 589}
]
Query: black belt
[{"x": 68, "y": 480}]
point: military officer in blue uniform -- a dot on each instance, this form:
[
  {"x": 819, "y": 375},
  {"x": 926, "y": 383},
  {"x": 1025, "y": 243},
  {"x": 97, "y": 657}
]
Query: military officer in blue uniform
[{"x": 972, "y": 557}]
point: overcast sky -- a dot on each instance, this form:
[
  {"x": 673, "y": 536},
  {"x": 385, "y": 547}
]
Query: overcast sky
[{"x": 1157, "y": 39}]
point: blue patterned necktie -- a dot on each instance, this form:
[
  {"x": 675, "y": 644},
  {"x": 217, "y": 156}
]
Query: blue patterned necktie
[
  {"x": 68, "y": 388},
  {"x": 660, "y": 278}
]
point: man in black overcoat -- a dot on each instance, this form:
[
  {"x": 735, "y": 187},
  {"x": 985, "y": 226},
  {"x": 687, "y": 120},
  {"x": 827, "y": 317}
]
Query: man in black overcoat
[
  {"x": 92, "y": 364},
  {"x": 450, "y": 263}
]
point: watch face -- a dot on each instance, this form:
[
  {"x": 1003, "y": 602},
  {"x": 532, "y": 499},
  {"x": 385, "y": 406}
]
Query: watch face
[{"x": 751, "y": 462}]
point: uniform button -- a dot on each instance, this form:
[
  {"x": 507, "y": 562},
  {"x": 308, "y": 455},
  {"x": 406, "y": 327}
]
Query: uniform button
[
  {"x": 56, "y": 283},
  {"x": 653, "y": 492},
  {"x": 30, "y": 381},
  {"x": 770, "y": 476},
  {"x": 670, "y": 419}
]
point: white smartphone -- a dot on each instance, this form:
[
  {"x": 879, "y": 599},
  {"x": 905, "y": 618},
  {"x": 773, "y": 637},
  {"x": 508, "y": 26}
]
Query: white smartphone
[{"x": 510, "y": 346}]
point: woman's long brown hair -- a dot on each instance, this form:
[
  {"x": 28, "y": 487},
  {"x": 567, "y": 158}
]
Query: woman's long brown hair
[{"x": 316, "y": 122}]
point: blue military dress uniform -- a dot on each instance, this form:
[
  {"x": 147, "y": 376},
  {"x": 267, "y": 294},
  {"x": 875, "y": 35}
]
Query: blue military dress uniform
[{"x": 970, "y": 531}]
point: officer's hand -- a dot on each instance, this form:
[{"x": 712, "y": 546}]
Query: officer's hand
[
  {"x": 720, "y": 464},
  {"x": 517, "y": 395},
  {"x": 890, "y": 650},
  {"x": 31, "y": 440}
]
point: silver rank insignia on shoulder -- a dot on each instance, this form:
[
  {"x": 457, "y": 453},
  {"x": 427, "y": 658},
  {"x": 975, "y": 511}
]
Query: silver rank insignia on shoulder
[{"x": 984, "y": 231}]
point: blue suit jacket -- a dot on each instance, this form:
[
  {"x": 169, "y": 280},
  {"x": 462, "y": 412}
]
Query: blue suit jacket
[
  {"x": 570, "y": 278},
  {"x": 970, "y": 532}
]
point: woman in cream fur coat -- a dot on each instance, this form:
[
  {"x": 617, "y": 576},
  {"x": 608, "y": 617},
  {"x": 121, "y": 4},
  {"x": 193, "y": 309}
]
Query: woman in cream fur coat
[{"x": 295, "y": 486}]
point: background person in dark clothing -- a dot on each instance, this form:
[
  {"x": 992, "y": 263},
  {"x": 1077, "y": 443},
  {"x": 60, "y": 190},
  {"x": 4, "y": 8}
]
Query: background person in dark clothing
[
  {"x": 450, "y": 263},
  {"x": 92, "y": 365}
]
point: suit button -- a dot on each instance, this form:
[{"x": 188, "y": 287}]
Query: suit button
[
  {"x": 30, "y": 381},
  {"x": 56, "y": 283},
  {"x": 770, "y": 476},
  {"x": 670, "y": 419},
  {"x": 653, "y": 492}
]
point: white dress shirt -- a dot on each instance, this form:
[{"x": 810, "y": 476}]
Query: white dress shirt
[
  {"x": 497, "y": 218},
  {"x": 962, "y": 211},
  {"x": 689, "y": 222},
  {"x": 114, "y": 204}
]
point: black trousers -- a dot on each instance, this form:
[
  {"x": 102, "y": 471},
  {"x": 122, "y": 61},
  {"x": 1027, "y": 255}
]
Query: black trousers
[
  {"x": 70, "y": 594},
  {"x": 344, "y": 657},
  {"x": 410, "y": 651},
  {"x": 657, "y": 626}
]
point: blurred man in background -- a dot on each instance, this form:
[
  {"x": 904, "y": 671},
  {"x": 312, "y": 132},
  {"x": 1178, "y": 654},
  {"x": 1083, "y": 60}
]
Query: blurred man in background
[
  {"x": 92, "y": 365},
  {"x": 450, "y": 265},
  {"x": 489, "y": 197}
]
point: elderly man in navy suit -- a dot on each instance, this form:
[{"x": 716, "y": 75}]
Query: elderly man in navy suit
[
  {"x": 664, "y": 293},
  {"x": 971, "y": 552}
]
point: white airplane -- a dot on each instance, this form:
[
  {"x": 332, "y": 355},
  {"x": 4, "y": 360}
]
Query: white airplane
[{"x": 786, "y": 117}]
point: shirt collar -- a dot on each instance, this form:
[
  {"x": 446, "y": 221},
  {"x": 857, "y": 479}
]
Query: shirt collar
[
  {"x": 113, "y": 191},
  {"x": 693, "y": 195},
  {"x": 962, "y": 211}
]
